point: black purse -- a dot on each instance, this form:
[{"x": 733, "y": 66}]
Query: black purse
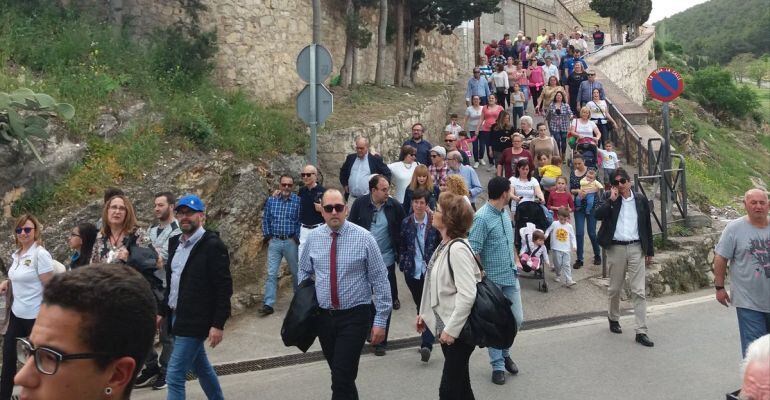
[{"x": 491, "y": 322}]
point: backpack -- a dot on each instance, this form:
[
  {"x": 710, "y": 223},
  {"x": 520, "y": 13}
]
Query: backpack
[
  {"x": 58, "y": 267},
  {"x": 491, "y": 322}
]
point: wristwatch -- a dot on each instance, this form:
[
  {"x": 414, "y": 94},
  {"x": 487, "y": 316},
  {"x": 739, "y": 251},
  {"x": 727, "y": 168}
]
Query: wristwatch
[{"x": 718, "y": 288}]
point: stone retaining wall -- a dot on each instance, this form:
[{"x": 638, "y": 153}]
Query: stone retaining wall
[{"x": 629, "y": 65}]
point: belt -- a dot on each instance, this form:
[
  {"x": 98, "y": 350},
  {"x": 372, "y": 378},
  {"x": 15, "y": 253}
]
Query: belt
[
  {"x": 337, "y": 313},
  {"x": 282, "y": 237},
  {"x": 311, "y": 226},
  {"x": 624, "y": 243}
]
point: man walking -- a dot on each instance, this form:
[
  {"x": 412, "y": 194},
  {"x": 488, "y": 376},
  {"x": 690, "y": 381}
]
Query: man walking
[
  {"x": 598, "y": 38},
  {"x": 197, "y": 298},
  {"x": 419, "y": 239},
  {"x": 381, "y": 215},
  {"x": 491, "y": 238},
  {"x": 586, "y": 90},
  {"x": 626, "y": 235},
  {"x": 358, "y": 167},
  {"x": 280, "y": 228},
  {"x": 450, "y": 141},
  {"x": 155, "y": 367},
  {"x": 438, "y": 169},
  {"x": 745, "y": 243},
  {"x": 349, "y": 274},
  {"x": 477, "y": 86},
  {"x": 456, "y": 167},
  {"x": 309, "y": 204},
  {"x": 421, "y": 145}
]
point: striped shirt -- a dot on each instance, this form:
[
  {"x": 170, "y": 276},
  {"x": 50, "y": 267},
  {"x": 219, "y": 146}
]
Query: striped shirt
[
  {"x": 281, "y": 216},
  {"x": 360, "y": 269},
  {"x": 491, "y": 237}
]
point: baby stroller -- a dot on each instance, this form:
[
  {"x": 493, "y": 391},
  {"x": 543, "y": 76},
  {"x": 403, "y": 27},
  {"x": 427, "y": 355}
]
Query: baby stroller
[
  {"x": 587, "y": 149},
  {"x": 530, "y": 213},
  {"x": 533, "y": 257}
]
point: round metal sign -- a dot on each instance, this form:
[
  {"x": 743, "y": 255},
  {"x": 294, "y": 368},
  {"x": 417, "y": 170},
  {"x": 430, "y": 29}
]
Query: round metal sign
[{"x": 665, "y": 84}]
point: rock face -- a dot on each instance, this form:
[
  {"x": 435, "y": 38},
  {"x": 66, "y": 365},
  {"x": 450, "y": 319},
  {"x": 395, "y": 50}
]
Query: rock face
[{"x": 686, "y": 269}]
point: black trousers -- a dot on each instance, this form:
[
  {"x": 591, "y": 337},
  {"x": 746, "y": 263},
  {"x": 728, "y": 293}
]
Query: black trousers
[
  {"x": 455, "y": 379},
  {"x": 415, "y": 286},
  {"x": 17, "y": 328},
  {"x": 392, "y": 280},
  {"x": 342, "y": 334}
]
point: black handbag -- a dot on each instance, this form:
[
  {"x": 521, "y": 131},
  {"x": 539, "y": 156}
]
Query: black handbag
[
  {"x": 300, "y": 323},
  {"x": 491, "y": 322}
]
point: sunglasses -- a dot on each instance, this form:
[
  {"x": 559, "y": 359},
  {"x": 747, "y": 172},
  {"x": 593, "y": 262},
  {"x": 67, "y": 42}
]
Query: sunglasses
[
  {"x": 25, "y": 229},
  {"x": 621, "y": 181},
  {"x": 287, "y": 185},
  {"x": 307, "y": 175},
  {"x": 449, "y": 140},
  {"x": 334, "y": 207}
]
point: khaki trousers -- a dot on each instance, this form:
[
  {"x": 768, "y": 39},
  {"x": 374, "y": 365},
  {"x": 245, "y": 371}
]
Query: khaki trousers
[{"x": 622, "y": 259}]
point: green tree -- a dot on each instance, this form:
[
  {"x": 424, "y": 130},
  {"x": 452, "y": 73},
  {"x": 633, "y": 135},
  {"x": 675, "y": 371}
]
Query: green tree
[
  {"x": 739, "y": 65},
  {"x": 759, "y": 70},
  {"x": 714, "y": 89},
  {"x": 623, "y": 12}
]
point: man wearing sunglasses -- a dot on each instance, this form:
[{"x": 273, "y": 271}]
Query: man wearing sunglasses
[
  {"x": 450, "y": 142},
  {"x": 310, "y": 204},
  {"x": 349, "y": 275},
  {"x": 280, "y": 228},
  {"x": 81, "y": 347},
  {"x": 626, "y": 235}
]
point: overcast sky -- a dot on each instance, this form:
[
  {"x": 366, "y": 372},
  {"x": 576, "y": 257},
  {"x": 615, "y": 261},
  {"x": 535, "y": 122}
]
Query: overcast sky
[{"x": 666, "y": 8}]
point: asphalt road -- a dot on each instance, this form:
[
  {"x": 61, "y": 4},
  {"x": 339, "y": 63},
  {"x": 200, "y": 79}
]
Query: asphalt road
[{"x": 696, "y": 356}]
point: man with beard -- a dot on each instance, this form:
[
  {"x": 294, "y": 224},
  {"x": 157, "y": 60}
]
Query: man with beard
[
  {"x": 154, "y": 372},
  {"x": 197, "y": 298},
  {"x": 421, "y": 145}
]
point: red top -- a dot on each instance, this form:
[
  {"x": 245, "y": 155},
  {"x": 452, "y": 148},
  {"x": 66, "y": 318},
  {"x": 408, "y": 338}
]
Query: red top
[
  {"x": 490, "y": 117},
  {"x": 560, "y": 199},
  {"x": 509, "y": 160}
]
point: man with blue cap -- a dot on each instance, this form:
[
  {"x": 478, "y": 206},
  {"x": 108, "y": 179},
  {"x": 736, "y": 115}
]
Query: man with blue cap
[{"x": 197, "y": 298}]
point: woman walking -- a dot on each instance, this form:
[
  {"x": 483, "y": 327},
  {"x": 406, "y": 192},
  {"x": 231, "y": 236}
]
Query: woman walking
[
  {"x": 403, "y": 170},
  {"x": 489, "y": 114},
  {"x": 600, "y": 114},
  {"x": 421, "y": 179},
  {"x": 81, "y": 242},
  {"x": 448, "y": 295},
  {"x": 471, "y": 121},
  {"x": 559, "y": 115}
]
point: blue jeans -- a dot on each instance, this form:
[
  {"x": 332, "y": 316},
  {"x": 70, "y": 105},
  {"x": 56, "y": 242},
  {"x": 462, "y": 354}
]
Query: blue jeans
[
  {"x": 517, "y": 112},
  {"x": 580, "y": 226},
  {"x": 276, "y": 250},
  {"x": 561, "y": 140},
  {"x": 525, "y": 90},
  {"x": 513, "y": 293},
  {"x": 751, "y": 325},
  {"x": 190, "y": 355}
]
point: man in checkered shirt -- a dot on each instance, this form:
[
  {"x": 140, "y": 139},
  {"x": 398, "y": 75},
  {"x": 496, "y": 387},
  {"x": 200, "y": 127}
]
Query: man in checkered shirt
[{"x": 349, "y": 273}]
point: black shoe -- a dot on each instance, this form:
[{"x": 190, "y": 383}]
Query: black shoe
[
  {"x": 159, "y": 383},
  {"x": 396, "y": 304},
  {"x": 498, "y": 377},
  {"x": 578, "y": 264},
  {"x": 379, "y": 351},
  {"x": 266, "y": 310},
  {"x": 425, "y": 354},
  {"x": 642, "y": 339},
  {"x": 615, "y": 327},
  {"x": 146, "y": 378},
  {"x": 597, "y": 260},
  {"x": 510, "y": 366}
]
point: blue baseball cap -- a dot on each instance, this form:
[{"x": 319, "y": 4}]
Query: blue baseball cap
[{"x": 192, "y": 202}]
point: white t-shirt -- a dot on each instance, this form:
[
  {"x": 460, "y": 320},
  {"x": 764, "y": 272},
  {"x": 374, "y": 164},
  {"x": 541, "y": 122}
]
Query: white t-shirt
[
  {"x": 584, "y": 130},
  {"x": 525, "y": 190},
  {"x": 610, "y": 159},
  {"x": 454, "y": 129},
  {"x": 25, "y": 281},
  {"x": 474, "y": 116},
  {"x": 598, "y": 110},
  {"x": 401, "y": 177},
  {"x": 548, "y": 72},
  {"x": 562, "y": 236},
  {"x": 501, "y": 80}
]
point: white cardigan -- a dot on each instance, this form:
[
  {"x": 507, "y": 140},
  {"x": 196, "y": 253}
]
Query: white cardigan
[{"x": 451, "y": 299}]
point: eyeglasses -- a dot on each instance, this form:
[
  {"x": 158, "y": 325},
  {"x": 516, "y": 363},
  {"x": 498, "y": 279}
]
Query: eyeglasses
[
  {"x": 118, "y": 208},
  {"x": 47, "y": 360},
  {"x": 287, "y": 185},
  {"x": 25, "y": 229},
  {"x": 307, "y": 175},
  {"x": 621, "y": 181},
  {"x": 334, "y": 207},
  {"x": 449, "y": 140},
  {"x": 73, "y": 234}
]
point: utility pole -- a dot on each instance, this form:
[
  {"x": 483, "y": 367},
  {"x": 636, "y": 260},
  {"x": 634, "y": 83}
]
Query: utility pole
[
  {"x": 313, "y": 83},
  {"x": 476, "y": 41}
]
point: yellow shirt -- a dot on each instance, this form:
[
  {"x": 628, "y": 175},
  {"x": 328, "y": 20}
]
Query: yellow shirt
[
  {"x": 550, "y": 171},
  {"x": 540, "y": 39},
  {"x": 591, "y": 187}
]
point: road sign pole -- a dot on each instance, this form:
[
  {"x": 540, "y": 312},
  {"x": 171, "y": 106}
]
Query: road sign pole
[
  {"x": 313, "y": 108},
  {"x": 665, "y": 195}
]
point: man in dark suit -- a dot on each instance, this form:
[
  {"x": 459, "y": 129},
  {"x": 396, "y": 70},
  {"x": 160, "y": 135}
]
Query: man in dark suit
[
  {"x": 358, "y": 168},
  {"x": 197, "y": 298},
  {"x": 626, "y": 235}
]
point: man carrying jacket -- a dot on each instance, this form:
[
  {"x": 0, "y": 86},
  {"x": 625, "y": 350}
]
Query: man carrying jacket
[
  {"x": 626, "y": 235},
  {"x": 419, "y": 239},
  {"x": 381, "y": 215},
  {"x": 197, "y": 298}
]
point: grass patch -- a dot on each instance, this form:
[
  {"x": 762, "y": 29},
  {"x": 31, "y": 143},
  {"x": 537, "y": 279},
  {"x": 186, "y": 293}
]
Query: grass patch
[{"x": 763, "y": 94}]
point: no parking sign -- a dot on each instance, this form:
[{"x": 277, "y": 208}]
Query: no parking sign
[{"x": 665, "y": 84}]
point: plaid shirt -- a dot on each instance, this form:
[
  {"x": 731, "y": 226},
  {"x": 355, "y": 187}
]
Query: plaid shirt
[
  {"x": 556, "y": 122},
  {"x": 281, "y": 217},
  {"x": 491, "y": 237},
  {"x": 359, "y": 269},
  {"x": 438, "y": 174}
]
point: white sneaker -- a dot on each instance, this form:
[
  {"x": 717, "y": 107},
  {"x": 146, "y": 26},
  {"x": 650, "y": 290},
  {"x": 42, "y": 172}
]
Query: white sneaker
[
  {"x": 483, "y": 162},
  {"x": 476, "y": 164},
  {"x": 571, "y": 283},
  {"x": 556, "y": 278}
]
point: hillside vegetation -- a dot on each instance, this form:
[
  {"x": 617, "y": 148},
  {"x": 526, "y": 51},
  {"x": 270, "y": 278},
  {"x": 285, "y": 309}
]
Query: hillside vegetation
[{"x": 720, "y": 29}]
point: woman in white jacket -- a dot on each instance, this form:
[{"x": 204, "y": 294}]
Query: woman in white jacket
[{"x": 448, "y": 296}]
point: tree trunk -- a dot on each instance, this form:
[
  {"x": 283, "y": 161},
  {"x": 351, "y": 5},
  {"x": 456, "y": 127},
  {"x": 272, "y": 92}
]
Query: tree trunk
[
  {"x": 354, "y": 62},
  {"x": 617, "y": 31},
  {"x": 398, "y": 79},
  {"x": 409, "y": 79},
  {"x": 379, "y": 73},
  {"x": 346, "y": 68}
]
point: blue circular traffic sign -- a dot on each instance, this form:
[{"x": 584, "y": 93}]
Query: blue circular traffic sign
[{"x": 665, "y": 84}]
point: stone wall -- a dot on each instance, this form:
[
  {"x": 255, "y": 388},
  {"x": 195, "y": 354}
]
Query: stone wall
[
  {"x": 629, "y": 65},
  {"x": 529, "y": 16},
  {"x": 259, "y": 41},
  {"x": 687, "y": 268},
  {"x": 385, "y": 137}
]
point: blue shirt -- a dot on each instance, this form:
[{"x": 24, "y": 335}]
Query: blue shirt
[
  {"x": 585, "y": 93},
  {"x": 477, "y": 87},
  {"x": 423, "y": 150},
  {"x": 471, "y": 180},
  {"x": 381, "y": 233},
  {"x": 420, "y": 265},
  {"x": 281, "y": 217},
  {"x": 179, "y": 261},
  {"x": 359, "y": 177},
  {"x": 491, "y": 237},
  {"x": 361, "y": 272}
]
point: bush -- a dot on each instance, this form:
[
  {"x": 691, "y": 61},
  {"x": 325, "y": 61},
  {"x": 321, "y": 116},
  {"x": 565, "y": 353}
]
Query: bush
[
  {"x": 182, "y": 55},
  {"x": 714, "y": 89}
]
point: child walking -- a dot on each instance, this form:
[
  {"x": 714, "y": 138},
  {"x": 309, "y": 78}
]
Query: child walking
[
  {"x": 562, "y": 242},
  {"x": 560, "y": 198},
  {"x": 610, "y": 161}
]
